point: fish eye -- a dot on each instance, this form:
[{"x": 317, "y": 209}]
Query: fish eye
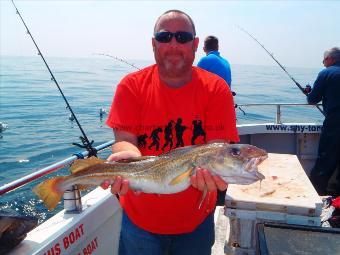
[{"x": 235, "y": 152}]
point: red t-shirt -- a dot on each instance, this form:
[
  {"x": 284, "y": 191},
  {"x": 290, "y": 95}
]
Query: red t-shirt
[{"x": 164, "y": 118}]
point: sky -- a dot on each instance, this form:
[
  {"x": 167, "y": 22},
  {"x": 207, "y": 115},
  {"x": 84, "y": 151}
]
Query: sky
[{"x": 296, "y": 32}]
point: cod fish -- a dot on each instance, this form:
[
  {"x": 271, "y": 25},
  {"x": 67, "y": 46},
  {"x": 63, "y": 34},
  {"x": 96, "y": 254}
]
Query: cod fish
[
  {"x": 164, "y": 174},
  {"x": 13, "y": 229}
]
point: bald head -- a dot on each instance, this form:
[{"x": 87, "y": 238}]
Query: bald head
[{"x": 173, "y": 14}]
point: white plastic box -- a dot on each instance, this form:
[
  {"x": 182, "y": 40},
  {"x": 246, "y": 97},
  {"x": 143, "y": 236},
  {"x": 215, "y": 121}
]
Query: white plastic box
[{"x": 285, "y": 196}]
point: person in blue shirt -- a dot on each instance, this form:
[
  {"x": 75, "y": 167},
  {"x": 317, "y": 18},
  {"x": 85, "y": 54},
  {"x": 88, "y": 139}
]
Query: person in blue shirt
[
  {"x": 213, "y": 62},
  {"x": 326, "y": 88},
  {"x": 216, "y": 64}
]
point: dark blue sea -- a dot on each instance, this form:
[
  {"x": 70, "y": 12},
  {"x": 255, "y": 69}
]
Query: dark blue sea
[{"x": 40, "y": 133}]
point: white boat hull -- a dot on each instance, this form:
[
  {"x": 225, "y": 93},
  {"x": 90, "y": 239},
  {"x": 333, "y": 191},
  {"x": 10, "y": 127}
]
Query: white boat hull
[{"x": 96, "y": 230}]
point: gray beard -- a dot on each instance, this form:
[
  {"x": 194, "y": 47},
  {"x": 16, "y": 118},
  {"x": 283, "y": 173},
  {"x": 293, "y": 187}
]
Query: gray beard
[{"x": 174, "y": 70}]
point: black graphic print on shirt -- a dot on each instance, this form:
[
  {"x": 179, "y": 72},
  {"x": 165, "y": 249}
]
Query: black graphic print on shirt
[{"x": 171, "y": 141}]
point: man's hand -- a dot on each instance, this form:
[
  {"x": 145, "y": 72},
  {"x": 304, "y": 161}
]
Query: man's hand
[
  {"x": 307, "y": 89},
  {"x": 122, "y": 155},
  {"x": 204, "y": 179},
  {"x": 120, "y": 186}
]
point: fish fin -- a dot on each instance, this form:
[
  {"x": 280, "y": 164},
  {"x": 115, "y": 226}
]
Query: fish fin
[
  {"x": 179, "y": 151},
  {"x": 81, "y": 164},
  {"x": 180, "y": 178},
  {"x": 204, "y": 194},
  {"x": 49, "y": 192},
  {"x": 135, "y": 159}
]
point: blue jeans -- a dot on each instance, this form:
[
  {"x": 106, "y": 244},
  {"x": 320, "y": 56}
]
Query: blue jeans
[{"x": 134, "y": 240}]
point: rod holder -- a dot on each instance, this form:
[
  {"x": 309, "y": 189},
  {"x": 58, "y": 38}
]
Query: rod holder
[
  {"x": 278, "y": 114},
  {"x": 72, "y": 200}
]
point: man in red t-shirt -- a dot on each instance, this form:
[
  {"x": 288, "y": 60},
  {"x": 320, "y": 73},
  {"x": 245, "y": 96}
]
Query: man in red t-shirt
[{"x": 164, "y": 106}]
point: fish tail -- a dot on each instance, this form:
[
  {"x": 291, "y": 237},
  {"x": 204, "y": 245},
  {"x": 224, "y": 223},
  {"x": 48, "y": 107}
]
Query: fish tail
[{"x": 49, "y": 191}]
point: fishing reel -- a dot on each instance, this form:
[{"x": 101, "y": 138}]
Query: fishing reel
[
  {"x": 87, "y": 145},
  {"x": 307, "y": 89}
]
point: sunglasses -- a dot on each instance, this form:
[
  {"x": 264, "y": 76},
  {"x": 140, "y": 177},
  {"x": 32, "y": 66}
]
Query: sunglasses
[{"x": 180, "y": 36}]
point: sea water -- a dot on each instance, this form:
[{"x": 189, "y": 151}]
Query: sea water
[{"x": 40, "y": 131}]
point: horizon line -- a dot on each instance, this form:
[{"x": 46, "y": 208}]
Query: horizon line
[{"x": 92, "y": 56}]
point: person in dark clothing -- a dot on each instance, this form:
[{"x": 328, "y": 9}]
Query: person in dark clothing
[{"x": 326, "y": 88}]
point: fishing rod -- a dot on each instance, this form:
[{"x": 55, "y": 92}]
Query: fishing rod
[
  {"x": 86, "y": 143},
  {"x": 282, "y": 67},
  {"x": 119, "y": 59},
  {"x": 124, "y": 61}
]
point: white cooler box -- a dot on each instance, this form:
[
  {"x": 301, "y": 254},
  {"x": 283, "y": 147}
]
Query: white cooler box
[{"x": 285, "y": 196}]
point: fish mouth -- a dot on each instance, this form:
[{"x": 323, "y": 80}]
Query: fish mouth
[{"x": 252, "y": 163}]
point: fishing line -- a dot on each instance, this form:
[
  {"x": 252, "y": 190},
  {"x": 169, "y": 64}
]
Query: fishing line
[
  {"x": 85, "y": 141},
  {"x": 118, "y": 59},
  {"x": 282, "y": 67},
  {"x": 132, "y": 65}
]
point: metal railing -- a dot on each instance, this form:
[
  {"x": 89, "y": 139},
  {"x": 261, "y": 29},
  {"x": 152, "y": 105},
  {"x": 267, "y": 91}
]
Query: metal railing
[
  {"x": 52, "y": 168},
  {"x": 278, "y": 107},
  {"x": 72, "y": 197},
  {"x": 47, "y": 170}
]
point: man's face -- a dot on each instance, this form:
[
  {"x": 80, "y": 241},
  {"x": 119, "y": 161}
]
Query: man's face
[
  {"x": 173, "y": 58},
  {"x": 327, "y": 60}
]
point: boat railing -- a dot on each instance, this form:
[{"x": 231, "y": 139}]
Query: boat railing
[
  {"x": 278, "y": 107},
  {"x": 72, "y": 199}
]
